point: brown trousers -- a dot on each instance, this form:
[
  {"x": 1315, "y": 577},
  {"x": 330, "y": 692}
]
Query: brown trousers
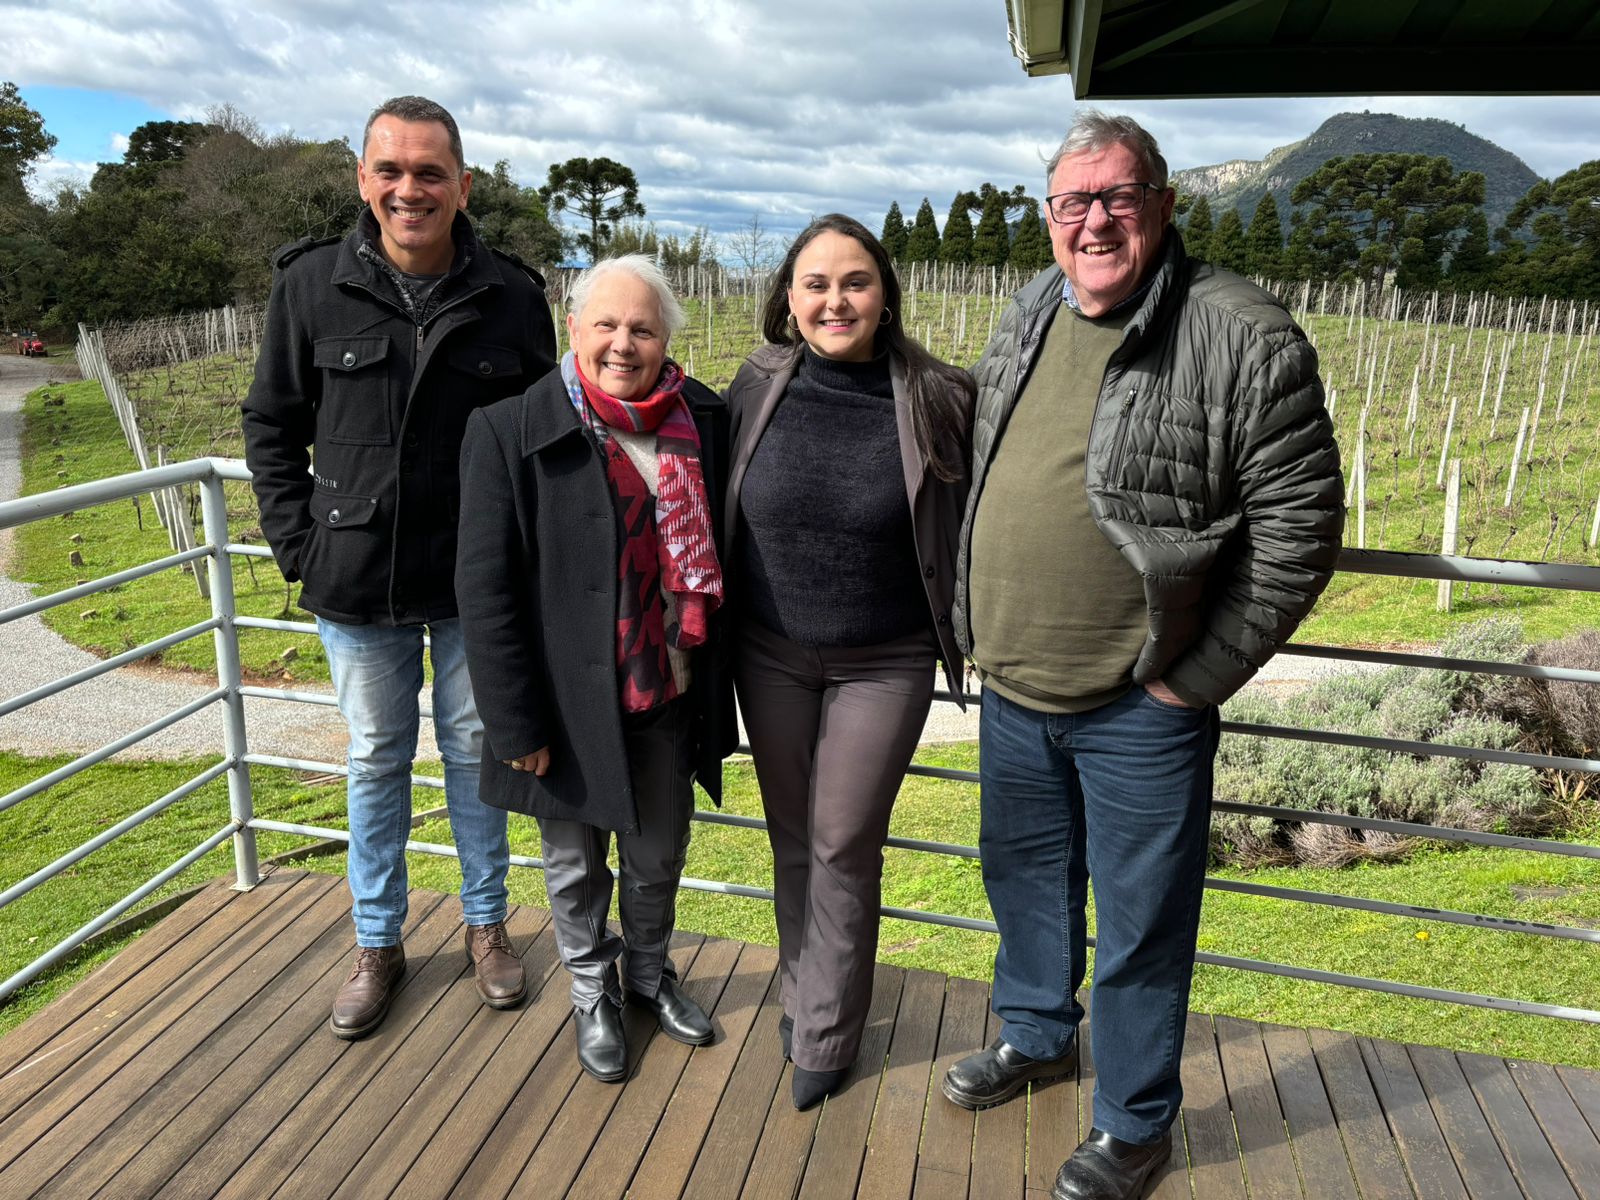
[{"x": 832, "y": 730}]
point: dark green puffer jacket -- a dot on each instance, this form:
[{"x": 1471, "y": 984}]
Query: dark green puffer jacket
[{"x": 1211, "y": 466}]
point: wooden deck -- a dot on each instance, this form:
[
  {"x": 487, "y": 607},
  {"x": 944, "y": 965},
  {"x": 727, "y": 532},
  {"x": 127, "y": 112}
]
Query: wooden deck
[{"x": 198, "y": 1063}]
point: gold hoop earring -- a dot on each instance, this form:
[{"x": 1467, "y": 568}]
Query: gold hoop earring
[
  {"x": 886, "y": 316},
  {"x": 792, "y": 322}
]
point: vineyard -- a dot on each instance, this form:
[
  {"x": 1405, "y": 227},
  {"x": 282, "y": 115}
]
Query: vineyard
[{"x": 1484, "y": 403}]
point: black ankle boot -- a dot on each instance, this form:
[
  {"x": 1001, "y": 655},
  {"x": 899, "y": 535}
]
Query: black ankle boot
[{"x": 810, "y": 1088}]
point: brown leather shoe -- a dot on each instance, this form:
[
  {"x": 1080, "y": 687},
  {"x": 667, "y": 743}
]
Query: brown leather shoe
[
  {"x": 496, "y": 970},
  {"x": 362, "y": 1000}
]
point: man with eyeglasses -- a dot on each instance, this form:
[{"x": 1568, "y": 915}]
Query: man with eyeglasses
[{"x": 1155, "y": 505}]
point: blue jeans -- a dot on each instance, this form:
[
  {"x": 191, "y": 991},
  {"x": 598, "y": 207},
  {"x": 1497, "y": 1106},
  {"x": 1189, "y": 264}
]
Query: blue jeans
[
  {"x": 377, "y": 673},
  {"x": 1120, "y": 795}
]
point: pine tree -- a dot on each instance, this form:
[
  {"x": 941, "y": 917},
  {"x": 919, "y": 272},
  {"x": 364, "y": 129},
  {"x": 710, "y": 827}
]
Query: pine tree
[
  {"x": 1263, "y": 242},
  {"x": 1030, "y": 245},
  {"x": 894, "y": 235},
  {"x": 1472, "y": 265},
  {"x": 1227, "y": 243},
  {"x": 955, "y": 244},
  {"x": 922, "y": 243},
  {"x": 1197, "y": 232},
  {"x": 991, "y": 245}
]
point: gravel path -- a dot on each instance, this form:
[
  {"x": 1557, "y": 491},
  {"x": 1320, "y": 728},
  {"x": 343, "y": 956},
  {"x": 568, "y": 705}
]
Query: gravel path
[{"x": 96, "y": 712}]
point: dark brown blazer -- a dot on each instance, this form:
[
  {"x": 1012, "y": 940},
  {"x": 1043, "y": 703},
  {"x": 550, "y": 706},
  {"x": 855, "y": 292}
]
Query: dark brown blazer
[{"x": 936, "y": 506}]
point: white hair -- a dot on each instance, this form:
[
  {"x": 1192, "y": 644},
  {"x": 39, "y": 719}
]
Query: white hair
[
  {"x": 643, "y": 268},
  {"x": 1094, "y": 130}
]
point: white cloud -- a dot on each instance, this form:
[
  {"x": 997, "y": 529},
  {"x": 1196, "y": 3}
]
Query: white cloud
[{"x": 723, "y": 107}]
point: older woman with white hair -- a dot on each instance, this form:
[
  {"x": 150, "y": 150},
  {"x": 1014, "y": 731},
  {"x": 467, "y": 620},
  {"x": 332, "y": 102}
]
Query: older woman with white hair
[{"x": 589, "y": 585}]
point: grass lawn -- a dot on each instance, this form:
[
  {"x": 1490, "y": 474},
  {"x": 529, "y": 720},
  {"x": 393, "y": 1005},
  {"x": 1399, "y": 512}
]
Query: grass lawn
[{"x": 1546, "y": 970}]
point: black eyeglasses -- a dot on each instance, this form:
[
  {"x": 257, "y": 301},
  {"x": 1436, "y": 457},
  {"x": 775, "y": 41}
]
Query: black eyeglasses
[{"x": 1119, "y": 200}]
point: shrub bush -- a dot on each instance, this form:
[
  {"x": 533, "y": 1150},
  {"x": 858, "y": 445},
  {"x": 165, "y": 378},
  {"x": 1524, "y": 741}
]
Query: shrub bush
[{"x": 1447, "y": 707}]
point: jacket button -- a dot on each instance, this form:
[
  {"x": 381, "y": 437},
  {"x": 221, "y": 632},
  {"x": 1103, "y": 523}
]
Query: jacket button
[
  {"x": 944, "y": 618},
  {"x": 333, "y": 517},
  {"x": 411, "y": 440},
  {"x": 405, "y": 466},
  {"x": 349, "y": 359},
  {"x": 928, "y": 571},
  {"x": 485, "y": 369}
]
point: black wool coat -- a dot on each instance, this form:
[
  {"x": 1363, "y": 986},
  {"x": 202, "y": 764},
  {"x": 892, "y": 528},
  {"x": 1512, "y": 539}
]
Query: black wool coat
[
  {"x": 353, "y": 424},
  {"x": 536, "y": 581}
]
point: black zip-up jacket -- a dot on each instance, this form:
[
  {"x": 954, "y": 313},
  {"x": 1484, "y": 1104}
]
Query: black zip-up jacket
[{"x": 354, "y": 421}]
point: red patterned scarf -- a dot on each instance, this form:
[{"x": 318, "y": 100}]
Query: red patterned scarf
[{"x": 666, "y": 543}]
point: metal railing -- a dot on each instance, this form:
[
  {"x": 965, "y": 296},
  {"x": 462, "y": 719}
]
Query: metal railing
[{"x": 237, "y": 758}]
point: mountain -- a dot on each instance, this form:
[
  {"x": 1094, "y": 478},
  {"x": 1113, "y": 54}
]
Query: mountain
[{"x": 1239, "y": 183}]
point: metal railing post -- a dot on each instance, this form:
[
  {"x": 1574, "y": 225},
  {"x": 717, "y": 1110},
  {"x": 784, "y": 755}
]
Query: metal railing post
[{"x": 236, "y": 745}]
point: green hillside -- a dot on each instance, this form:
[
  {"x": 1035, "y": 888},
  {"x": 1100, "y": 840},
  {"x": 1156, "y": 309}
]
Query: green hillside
[{"x": 1239, "y": 184}]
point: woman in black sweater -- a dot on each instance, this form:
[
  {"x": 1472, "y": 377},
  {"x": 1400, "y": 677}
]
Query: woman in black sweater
[{"x": 845, "y": 497}]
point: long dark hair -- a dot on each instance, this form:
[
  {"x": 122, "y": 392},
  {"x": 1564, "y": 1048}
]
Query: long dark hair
[{"x": 940, "y": 394}]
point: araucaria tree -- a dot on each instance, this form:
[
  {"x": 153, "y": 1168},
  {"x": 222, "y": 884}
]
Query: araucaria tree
[
  {"x": 1564, "y": 217},
  {"x": 1365, "y": 215},
  {"x": 893, "y": 236},
  {"x": 991, "y": 245},
  {"x": 1030, "y": 245},
  {"x": 922, "y": 243},
  {"x": 600, "y": 191}
]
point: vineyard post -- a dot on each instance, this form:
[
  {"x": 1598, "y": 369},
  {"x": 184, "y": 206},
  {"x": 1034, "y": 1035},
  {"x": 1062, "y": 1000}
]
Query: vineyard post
[
  {"x": 1452, "y": 517},
  {"x": 1516, "y": 455}
]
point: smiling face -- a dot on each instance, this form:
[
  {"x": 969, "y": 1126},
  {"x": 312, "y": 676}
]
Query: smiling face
[
  {"x": 836, "y": 297},
  {"x": 415, "y": 187},
  {"x": 1107, "y": 257},
  {"x": 619, "y": 338}
]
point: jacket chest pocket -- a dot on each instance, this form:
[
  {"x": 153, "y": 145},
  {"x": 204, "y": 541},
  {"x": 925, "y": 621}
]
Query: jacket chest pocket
[
  {"x": 487, "y": 373},
  {"x": 356, "y": 407},
  {"x": 1161, "y": 446}
]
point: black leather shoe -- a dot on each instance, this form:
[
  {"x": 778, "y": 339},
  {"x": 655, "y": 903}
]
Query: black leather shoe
[
  {"x": 786, "y": 1036},
  {"x": 993, "y": 1076},
  {"x": 1108, "y": 1168},
  {"x": 602, "y": 1047},
  {"x": 811, "y": 1088},
  {"x": 681, "y": 1018}
]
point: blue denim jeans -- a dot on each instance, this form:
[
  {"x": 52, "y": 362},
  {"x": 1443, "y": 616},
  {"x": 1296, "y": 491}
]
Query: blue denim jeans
[
  {"x": 1120, "y": 796},
  {"x": 377, "y": 673}
]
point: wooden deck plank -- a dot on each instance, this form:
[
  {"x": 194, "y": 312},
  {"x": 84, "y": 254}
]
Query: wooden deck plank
[
  {"x": 1483, "y": 1167},
  {"x": 999, "y": 1142},
  {"x": 562, "y": 1150},
  {"x": 730, "y": 1142},
  {"x": 61, "y": 1119},
  {"x": 61, "y": 1022},
  {"x": 1574, "y": 1143},
  {"x": 1247, "y": 1073},
  {"x": 945, "y": 1164},
  {"x": 628, "y": 1131},
  {"x": 377, "y": 1173},
  {"x": 222, "y": 1080},
  {"x": 267, "y": 1136},
  {"x": 1584, "y": 1088},
  {"x": 1515, "y": 1128},
  {"x": 111, "y": 1016},
  {"x": 1213, "y": 1147},
  {"x": 890, "y": 1168},
  {"x": 453, "y": 1148},
  {"x": 140, "y": 1117},
  {"x": 1373, "y": 1157},
  {"x": 1416, "y": 1131},
  {"x": 1308, "y": 1114},
  {"x": 840, "y": 1147},
  {"x": 675, "y": 1147}
]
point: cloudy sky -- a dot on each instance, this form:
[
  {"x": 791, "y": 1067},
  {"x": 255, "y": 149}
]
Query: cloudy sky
[{"x": 724, "y": 108}]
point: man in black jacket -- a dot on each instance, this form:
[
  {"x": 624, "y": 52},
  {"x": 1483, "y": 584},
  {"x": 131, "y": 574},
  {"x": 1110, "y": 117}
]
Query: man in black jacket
[{"x": 377, "y": 348}]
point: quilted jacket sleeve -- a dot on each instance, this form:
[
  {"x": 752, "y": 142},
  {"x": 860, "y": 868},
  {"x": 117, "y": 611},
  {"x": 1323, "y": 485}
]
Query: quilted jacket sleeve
[{"x": 1289, "y": 491}]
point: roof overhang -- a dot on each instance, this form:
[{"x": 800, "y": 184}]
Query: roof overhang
[{"x": 1160, "y": 49}]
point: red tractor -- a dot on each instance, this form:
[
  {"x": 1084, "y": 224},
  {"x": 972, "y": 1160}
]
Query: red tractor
[{"x": 30, "y": 344}]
